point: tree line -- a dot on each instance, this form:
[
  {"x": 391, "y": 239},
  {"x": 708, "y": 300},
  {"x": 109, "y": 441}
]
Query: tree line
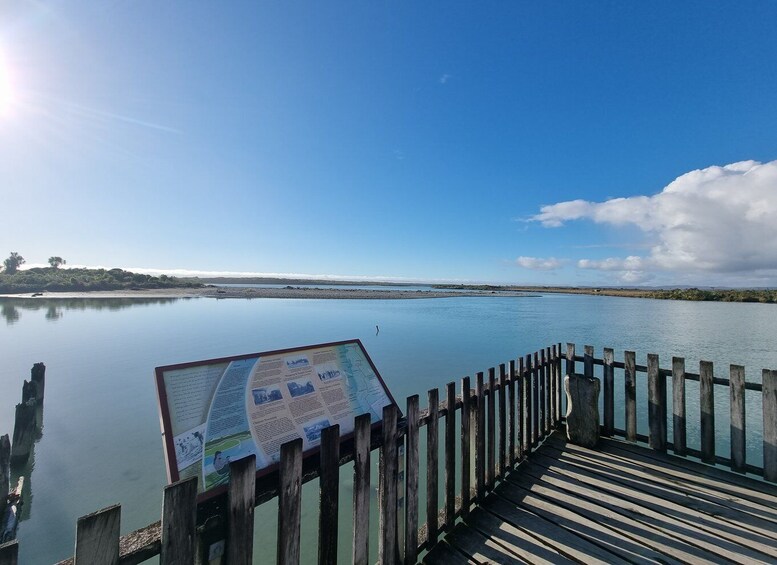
[{"x": 53, "y": 279}]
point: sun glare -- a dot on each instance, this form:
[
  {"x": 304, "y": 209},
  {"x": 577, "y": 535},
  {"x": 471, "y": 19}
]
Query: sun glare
[{"x": 6, "y": 89}]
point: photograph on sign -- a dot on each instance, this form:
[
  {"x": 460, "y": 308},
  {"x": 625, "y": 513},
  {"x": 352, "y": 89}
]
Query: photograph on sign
[{"x": 221, "y": 410}]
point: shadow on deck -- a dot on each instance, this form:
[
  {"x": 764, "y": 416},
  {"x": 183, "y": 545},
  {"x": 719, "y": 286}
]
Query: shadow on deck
[{"x": 619, "y": 504}]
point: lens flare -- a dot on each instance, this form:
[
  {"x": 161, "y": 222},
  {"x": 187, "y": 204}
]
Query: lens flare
[{"x": 6, "y": 89}]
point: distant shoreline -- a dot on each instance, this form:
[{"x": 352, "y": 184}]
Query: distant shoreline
[
  {"x": 400, "y": 293},
  {"x": 251, "y": 292}
]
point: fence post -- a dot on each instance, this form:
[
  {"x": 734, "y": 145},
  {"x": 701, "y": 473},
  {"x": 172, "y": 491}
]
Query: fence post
[
  {"x": 527, "y": 409},
  {"x": 480, "y": 440},
  {"x": 97, "y": 537},
  {"x": 559, "y": 389},
  {"x": 656, "y": 405},
  {"x": 465, "y": 446},
  {"x": 707, "y": 408},
  {"x": 769, "y": 379},
  {"x": 570, "y": 358},
  {"x": 179, "y": 517},
  {"x": 543, "y": 378},
  {"x": 360, "y": 552},
  {"x": 491, "y": 437},
  {"x": 678, "y": 404},
  {"x": 329, "y": 495},
  {"x": 240, "y": 497},
  {"x": 290, "y": 502},
  {"x": 502, "y": 452},
  {"x": 535, "y": 387},
  {"x": 609, "y": 391},
  {"x": 411, "y": 481},
  {"x": 388, "y": 550},
  {"x": 588, "y": 361},
  {"x": 738, "y": 445},
  {"x": 630, "y": 384},
  {"x": 432, "y": 451},
  {"x": 552, "y": 387},
  {"x": 450, "y": 457},
  {"x": 511, "y": 413}
]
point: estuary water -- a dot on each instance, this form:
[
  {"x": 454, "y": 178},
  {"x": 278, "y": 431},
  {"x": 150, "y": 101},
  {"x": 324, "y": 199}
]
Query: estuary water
[{"x": 101, "y": 438}]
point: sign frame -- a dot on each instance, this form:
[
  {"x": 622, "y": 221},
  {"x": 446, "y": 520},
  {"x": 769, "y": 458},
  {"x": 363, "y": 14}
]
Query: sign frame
[{"x": 171, "y": 461}]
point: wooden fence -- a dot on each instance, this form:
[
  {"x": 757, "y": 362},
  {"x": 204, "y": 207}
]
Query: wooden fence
[
  {"x": 657, "y": 407},
  {"x": 507, "y": 414}
]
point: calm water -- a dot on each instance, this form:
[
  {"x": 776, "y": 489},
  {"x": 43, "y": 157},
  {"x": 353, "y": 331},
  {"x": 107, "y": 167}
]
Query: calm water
[{"x": 101, "y": 438}]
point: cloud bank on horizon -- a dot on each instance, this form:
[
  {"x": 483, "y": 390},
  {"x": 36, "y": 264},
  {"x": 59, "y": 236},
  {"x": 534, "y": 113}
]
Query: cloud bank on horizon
[{"x": 717, "y": 223}]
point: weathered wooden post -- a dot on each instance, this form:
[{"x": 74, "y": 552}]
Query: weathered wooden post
[
  {"x": 23, "y": 432},
  {"x": 29, "y": 415},
  {"x": 5, "y": 475},
  {"x": 582, "y": 409},
  {"x": 38, "y": 377},
  {"x": 769, "y": 379}
]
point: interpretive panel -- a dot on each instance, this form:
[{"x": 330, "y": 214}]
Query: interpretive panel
[{"x": 224, "y": 409}]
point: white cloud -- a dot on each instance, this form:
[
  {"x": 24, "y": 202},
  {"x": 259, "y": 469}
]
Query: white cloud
[
  {"x": 445, "y": 78},
  {"x": 630, "y": 263},
  {"x": 540, "y": 263},
  {"x": 714, "y": 220}
]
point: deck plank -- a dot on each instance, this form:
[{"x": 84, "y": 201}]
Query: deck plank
[
  {"x": 583, "y": 526},
  {"x": 511, "y": 538},
  {"x": 651, "y": 514},
  {"x": 550, "y": 534},
  {"x": 444, "y": 554},
  {"x": 757, "y": 530},
  {"x": 621, "y": 503},
  {"x": 478, "y": 547},
  {"x": 693, "y": 471},
  {"x": 661, "y": 547},
  {"x": 705, "y": 492}
]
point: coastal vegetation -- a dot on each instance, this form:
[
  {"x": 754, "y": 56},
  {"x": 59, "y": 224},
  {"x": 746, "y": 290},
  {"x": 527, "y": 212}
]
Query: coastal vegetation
[
  {"x": 695, "y": 294},
  {"x": 55, "y": 279}
]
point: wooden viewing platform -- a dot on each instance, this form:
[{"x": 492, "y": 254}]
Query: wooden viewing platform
[
  {"x": 619, "y": 504},
  {"x": 502, "y": 482}
]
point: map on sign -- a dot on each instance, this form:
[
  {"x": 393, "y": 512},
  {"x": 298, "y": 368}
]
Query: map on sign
[{"x": 221, "y": 410}]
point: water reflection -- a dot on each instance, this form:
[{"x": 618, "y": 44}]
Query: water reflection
[
  {"x": 53, "y": 313},
  {"x": 9, "y": 312},
  {"x": 55, "y": 307}
]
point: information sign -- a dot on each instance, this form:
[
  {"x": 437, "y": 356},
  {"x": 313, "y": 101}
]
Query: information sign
[{"x": 220, "y": 410}]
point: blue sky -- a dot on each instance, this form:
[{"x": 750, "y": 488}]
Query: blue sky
[{"x": 419, "y": 141}]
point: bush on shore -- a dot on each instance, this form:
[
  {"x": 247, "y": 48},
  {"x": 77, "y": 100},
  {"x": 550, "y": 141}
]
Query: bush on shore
[{"x": 69, "y": 280}]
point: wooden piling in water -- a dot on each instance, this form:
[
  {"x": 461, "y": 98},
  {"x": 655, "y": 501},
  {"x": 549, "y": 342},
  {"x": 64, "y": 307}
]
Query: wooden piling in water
[
  {"x": 28, "y": 419},
  {"x": 5, "y": 476},
  {"x": 23, "y": 432},
  {"x": 38, "y": 376}
]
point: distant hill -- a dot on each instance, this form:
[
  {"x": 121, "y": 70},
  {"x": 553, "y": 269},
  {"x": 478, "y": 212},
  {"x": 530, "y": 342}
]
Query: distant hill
[{"x": 75, "y": 280}]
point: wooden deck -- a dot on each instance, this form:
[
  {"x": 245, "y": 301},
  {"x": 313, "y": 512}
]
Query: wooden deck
[{"x": 620, "y": 504}]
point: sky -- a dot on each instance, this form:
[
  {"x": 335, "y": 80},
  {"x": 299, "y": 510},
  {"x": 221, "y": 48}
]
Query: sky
[{"x": 559, "y": 143}]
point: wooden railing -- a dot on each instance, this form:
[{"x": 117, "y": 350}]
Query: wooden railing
[
  {"x": 658, "y": 406},
  {"x": 510, "y": 411}
]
